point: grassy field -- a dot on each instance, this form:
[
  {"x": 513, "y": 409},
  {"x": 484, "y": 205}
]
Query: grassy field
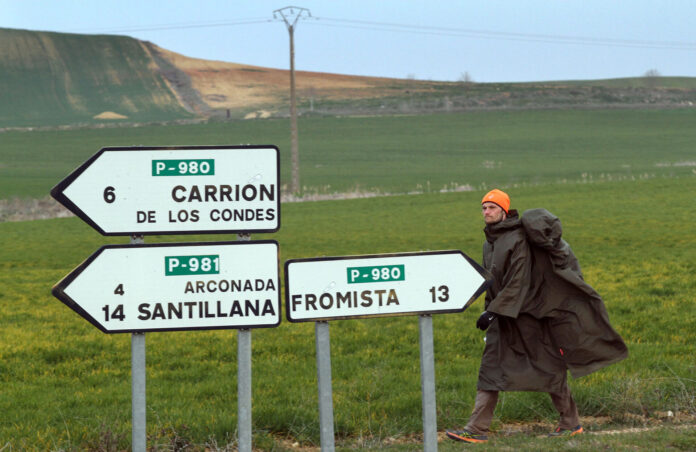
[
  {"x": 638, "y": 82},
  {"x": 400, "y": 154},
  {"x": 621, "y": 182},
  {"x": 66, "y": 385}
]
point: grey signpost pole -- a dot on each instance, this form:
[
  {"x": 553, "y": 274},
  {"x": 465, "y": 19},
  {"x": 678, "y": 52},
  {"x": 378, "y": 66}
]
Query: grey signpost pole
[
  {"x": 139, "y": 418},
  {"x": 427, "y": 362},
  {"x": 244, "y": 389},
  {"x": 244, "y": 381},
  {"x": 438, "y": 282},
  {"x": 129, "y": 210},
  {"x": 323, "y": 345}
]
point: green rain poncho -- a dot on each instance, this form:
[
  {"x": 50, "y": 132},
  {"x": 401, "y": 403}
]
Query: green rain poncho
[{"x": 549, "y": 319}]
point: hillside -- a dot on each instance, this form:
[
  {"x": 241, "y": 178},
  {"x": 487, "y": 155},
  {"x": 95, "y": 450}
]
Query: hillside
[
  {"x": 215, "y": 86},
  {"x": 57, "y": 78},
  {"x": 240, "y": 90},
  {"x": 50, "y": 79}
]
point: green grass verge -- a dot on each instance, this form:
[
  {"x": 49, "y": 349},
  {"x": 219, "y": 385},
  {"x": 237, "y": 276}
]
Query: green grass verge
[{"x": 65, "y": 385}]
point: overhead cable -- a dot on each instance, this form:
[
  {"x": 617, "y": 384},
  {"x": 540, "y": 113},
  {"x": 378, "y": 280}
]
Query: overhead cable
[
  {"x": 490, "y": 34},
  {"x": 421, "y": 29},
  {"x": 178, "y": 26}
]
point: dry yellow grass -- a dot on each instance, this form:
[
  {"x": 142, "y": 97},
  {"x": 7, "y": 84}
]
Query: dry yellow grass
[{"x": 109, "y": 115}]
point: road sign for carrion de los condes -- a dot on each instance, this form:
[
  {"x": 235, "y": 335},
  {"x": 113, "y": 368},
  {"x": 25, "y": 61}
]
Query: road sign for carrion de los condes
[
  {"x": 176, "y": 190},
  {"x": 181, "y": 286},
  {"x": 331, "y": 288}
]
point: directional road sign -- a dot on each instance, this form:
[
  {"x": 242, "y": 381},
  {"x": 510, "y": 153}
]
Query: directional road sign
[
  {"x": 182, "y": 286},
  {"x": 176, "y": 190},
  {"x": 381, "y": 285}
]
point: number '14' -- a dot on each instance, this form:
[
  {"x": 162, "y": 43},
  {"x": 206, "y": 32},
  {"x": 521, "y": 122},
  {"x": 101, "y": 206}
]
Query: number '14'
[{"x": 116, "y": 313}]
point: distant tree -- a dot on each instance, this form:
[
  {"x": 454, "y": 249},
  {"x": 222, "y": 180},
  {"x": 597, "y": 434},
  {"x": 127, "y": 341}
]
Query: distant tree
[
  {"x": 651, "y": 77},
  {"x": 465, "y": 77}
]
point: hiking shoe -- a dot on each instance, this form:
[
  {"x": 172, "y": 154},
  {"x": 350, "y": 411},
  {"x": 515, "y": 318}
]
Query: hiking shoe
[
  {"x": 466, "y": 436},
  {"x": 566, "y": 432}
]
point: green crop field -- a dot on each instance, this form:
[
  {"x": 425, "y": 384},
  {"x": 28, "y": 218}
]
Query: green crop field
[
  {"x": 59, "y": 78},
  {"x": 621, "y": 182},
  {"x": 400, "y": 154}
]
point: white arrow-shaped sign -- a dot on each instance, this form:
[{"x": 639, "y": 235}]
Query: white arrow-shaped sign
[
  {"x": 381, "y": 285},
  {"x": 176, "y": 190},
  {"x": 182, "y": 286}
]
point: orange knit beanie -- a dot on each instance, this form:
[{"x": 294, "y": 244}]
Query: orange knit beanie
[{"x": 498, "y": 197}]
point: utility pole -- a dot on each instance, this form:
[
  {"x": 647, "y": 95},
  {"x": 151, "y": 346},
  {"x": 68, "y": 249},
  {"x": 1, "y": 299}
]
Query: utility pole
[{"x": 290, "y": 15}]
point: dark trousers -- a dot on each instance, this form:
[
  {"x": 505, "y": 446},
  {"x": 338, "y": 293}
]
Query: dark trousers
[{"x": 481, "y": 418}]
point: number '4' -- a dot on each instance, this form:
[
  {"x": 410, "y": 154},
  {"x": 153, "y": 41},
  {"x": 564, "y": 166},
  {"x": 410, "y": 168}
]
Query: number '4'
[{"x": 119, "y": 290}]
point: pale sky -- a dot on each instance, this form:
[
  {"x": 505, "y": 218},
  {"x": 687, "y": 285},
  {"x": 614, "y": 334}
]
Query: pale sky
[{"x": 491, "y": 40}]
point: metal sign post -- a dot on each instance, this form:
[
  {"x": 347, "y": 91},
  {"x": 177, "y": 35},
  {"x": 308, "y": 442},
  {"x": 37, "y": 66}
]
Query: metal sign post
[
  {"x": 427, "y": 364},
  {"x": 244, "y": 382},
  {"x": 332, "y": 288},
  {"x": 244, "y": 390},
  {"x": 138, "y": 384},
  {"x": 138, "y": 392},
  {"x": 165, "y": 287},
  {"x": 326, "y": 419}
]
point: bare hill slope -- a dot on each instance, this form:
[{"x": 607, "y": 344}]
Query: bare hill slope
[{"x": 208, "y": 86}]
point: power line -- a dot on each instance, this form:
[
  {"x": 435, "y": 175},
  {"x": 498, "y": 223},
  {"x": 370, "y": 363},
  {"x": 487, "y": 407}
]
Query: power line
[
  {"x": 418, "y": 29},
  {"x": 177, "y": 26},
  {"x": 510, "y": 36}
]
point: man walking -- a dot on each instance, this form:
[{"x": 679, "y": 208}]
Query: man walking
[{"x": 541, "y": 319}]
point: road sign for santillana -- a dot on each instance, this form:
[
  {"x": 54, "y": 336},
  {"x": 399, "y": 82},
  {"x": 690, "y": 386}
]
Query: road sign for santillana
[
  {"x": 182, "y": 286},
  {"x": 331, "y": 288},
  {"x": 176, "y": 190}
]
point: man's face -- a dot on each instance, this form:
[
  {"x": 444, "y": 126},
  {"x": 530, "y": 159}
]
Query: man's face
[{"x": 492, "y": 213}]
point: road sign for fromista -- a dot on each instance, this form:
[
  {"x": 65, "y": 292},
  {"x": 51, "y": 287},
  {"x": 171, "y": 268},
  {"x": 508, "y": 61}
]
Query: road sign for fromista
[
  {"x": 183, "y": 286},
  {"x": 381, "y": 285},
  {"x": 176, "y": 190}
]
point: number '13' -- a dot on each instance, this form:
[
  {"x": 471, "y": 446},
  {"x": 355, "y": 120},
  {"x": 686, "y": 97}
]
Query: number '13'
[{"x": 443, "y": 293}]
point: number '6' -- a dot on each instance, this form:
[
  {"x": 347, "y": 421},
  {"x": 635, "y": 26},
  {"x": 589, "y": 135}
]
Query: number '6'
[{"x": 109, "y": 195}]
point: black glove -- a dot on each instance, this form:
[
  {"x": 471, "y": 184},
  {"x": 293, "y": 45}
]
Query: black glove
[{"x": 485, "y": 320}]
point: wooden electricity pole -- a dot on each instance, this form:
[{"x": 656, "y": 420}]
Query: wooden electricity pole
[{"x": 290, "y": 15}]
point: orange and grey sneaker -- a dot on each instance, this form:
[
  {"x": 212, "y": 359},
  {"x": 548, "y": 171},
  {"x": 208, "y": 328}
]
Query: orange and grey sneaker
[
  {"x": 566, "y": 432},
  {"x": 466, "y": 436}
]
